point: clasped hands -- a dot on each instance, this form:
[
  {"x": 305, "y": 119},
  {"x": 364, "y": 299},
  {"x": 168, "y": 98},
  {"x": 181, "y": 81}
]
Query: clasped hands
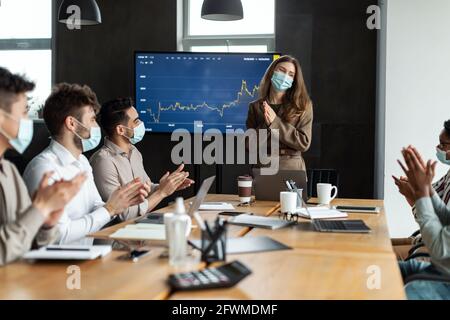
[{"x": 419, "y": 175}]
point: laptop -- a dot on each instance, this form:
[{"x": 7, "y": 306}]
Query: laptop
[
  {"x": 345, "y": 226},
  {"x": 269, "y": 187},
  {"x": 158, "y": 217}
]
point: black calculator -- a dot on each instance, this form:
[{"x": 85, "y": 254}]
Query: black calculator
[{"x": 224, "y": 276}]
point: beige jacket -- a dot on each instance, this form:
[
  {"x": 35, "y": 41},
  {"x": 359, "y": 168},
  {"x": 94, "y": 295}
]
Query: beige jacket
[
  {"x": 294, "y": 136},
  {"x": 112, "y": 168},
  {"x": 20, "y": 222}
]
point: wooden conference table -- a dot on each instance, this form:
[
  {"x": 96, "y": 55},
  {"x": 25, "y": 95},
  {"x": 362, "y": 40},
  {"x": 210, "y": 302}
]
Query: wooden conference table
[{"x": 319, "y": 266}]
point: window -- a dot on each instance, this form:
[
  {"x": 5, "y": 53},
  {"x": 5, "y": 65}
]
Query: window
[
  {"x": 254, "y": 33},
  {"x": 26, "y": 44}
]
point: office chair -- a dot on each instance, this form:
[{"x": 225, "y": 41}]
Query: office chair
[
  {"x": 316, "y": 176},
  {"x": 414, "y": 251}
]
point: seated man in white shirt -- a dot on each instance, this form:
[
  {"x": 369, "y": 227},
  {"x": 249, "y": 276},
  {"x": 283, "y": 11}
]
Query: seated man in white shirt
[{"x": 70, "y": 116}]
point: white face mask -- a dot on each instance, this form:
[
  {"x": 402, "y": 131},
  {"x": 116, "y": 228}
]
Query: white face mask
[
  {"x": 138, "y": 133},
  {"x": 94, "y": 138},
  {"x": 24, "y": 136},
  {"x": 442, "y": 156}
]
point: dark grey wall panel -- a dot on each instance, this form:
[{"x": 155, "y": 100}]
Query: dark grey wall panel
[
  {"x": 329, "y": 37},
  {"x": 338, "y": 55}
]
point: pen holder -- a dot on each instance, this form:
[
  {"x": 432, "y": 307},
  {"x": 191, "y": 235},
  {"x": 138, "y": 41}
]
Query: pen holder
[{"x": 213, "y": 245}]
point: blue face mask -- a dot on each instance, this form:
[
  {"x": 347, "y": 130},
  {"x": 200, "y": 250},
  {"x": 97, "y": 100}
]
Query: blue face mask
[
  {"x": 442, "y": 156},
  {"x": 94, "y": 139},
  {"x": 138, "y": 133},
  {"x": 281, "y": 81},
  {"x": 24, "y": 136}
]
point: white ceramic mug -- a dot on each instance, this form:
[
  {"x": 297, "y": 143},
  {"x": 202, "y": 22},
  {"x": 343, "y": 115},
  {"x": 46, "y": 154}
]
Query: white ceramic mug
[
  {"x": 288, "y": 201},
  {"x": 324, "y": 191}
]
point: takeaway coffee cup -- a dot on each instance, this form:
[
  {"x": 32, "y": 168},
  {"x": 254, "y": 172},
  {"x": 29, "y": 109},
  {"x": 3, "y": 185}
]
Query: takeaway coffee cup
[{"x": 245, "y": 188}]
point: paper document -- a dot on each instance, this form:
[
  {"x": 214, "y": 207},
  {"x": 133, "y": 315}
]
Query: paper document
[
  {"x": 259, "y": 222},
  {"x": 69, "y": 252},
  {"x": 321, "y": 213},
  {"x": 216, "y": 206},
  {"x": 141, "y": 231}
]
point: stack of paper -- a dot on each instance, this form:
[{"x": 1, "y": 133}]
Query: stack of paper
[
  {"x": 69, "y": 252},
  {"x": 248, "y": 220},
  {"x": 321, "y": 213},
  {"x": 141, "y": 231},
  {"x": 216, "y": 206}
]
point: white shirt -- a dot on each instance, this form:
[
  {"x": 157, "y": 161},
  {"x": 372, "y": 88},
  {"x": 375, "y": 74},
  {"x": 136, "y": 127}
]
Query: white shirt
[{"x": 85, "y": 212}]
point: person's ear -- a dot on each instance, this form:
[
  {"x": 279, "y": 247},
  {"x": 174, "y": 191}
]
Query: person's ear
[
  {"x": 120, "y": 130},
  {"x": 69, "y": 123}
]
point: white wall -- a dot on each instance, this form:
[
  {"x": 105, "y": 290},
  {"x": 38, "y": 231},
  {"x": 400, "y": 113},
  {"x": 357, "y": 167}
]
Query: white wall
[{"x": 417, "y": 86}]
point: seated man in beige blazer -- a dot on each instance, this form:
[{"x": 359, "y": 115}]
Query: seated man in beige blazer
[
  {"x": 24, "y": 220},
  {"x": 119, "y": 160}
]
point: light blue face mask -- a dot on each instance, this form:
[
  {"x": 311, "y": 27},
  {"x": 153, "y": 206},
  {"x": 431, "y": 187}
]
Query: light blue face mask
[
  {"x": 281, "y": 81},
  {"x": 442, "y": 156},
  {"x": 24, "y": 136},
  {"x": 138, "y": 133},
  {"x": 94, "y": 139}
]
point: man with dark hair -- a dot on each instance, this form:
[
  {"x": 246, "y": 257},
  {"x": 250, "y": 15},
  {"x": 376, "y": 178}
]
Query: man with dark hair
[
  {"x": 433, "y": 217},
  {"x": 119, "y": 160},
  {"x": 70, "y": 116},
  {"x": 402, "y": 246},
  {"x": 23, "y": 220}
]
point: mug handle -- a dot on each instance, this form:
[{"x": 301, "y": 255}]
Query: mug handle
[{"x": 335, "y": 192}]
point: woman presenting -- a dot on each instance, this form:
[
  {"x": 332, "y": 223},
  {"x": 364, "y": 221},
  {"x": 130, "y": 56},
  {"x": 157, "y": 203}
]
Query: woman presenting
[{"x": 284, "y": 104}]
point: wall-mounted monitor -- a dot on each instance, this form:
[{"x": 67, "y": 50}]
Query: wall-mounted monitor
[{"x": 175, "y": 89}]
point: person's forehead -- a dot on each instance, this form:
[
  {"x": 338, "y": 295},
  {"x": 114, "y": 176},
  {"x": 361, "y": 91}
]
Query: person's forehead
[
  {"x": 287, "y": 65},
  {"x": 19, "y": 103},
  {"x": 88, "y": 111},
  {"x": 132, "y": 113}
]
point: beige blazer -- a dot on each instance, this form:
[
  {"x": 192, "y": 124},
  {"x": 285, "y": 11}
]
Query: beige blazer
[
  {"x": 20, "y": 222},
  {"x": 294, "y": 136}
]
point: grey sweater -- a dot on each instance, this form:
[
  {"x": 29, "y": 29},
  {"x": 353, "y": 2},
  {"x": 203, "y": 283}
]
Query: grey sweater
[{"x": 433, "y": 217}]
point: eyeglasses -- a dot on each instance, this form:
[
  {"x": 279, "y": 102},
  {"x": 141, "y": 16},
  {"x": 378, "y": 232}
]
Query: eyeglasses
[{"x": 292, "y": 217}]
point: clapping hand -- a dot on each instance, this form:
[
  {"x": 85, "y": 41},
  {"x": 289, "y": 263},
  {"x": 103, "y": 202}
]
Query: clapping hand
[
  {"x": 269, "y": 114},
  {"x": 420, "y": 174}
]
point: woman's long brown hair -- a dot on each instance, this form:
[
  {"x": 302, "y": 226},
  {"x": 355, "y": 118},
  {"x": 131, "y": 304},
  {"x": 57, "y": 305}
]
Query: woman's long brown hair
[{"x": 297, "y": 96}]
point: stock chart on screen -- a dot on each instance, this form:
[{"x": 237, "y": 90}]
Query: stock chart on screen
[{"x": 174, "y": 90}]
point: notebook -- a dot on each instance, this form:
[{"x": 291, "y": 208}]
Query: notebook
[
  {"x": 69, "y": 252},
  {"x": 247, "y": 220},
  {"x": 152, "y": 218},
  {"x": 216, "y": 206},
  {"x": 249, "y": 245},
  {"x": 141, "y": 231},
  {"x": 320, "y": 213}
]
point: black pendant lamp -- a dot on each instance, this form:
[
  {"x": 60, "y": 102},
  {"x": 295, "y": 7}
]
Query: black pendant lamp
[
  {"x": 89, "y": 11},
  {"x": 222, "y": 10}
]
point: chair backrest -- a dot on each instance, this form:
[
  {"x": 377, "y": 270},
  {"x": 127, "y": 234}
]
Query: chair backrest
[{"x": 316, "y": 176}]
